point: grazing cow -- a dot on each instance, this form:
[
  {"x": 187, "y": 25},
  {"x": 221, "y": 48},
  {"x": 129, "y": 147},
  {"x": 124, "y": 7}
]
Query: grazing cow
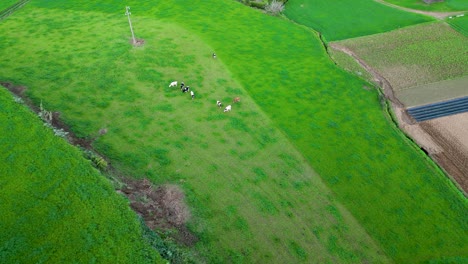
[
  {"x": 214, "y": 55},
  {"x": 227, "y": 109},
  {"x": 192, "y": 94},
  {"x": 219, "y": 104},
  {"x": 236, "y": 100},
  {"x": 173, "y": 84},
  {"x": 185, "y": 89},
  {"x": 182, "y": 85}
]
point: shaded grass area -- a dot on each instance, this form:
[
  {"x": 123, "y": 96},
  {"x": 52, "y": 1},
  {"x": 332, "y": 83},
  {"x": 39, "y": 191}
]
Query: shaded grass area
[
  {"x": 444, "y": 6},
  {"x": 414, "y": 55},
  {"x": 336, "y": 22},
  {"x": 55, "y": 206},
  {"x": 248, "y": 186},
  {"x": 402, "y": 201}
]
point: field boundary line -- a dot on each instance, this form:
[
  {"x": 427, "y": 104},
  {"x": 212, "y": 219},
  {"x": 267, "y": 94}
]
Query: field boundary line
[
  {"x": 10, "y": 10},
  {"x": 437, "y": 15}
]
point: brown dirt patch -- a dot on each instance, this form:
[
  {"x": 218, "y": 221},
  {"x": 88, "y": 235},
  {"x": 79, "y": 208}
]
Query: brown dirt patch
[
  {"x": 161, "y": 207},
  {"x": 138, "y": 42},
  {"x": 451, "y": 135}
]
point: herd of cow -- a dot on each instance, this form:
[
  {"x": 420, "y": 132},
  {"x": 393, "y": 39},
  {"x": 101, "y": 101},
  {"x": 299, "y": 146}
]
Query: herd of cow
[{"x": 185, "y": 89}]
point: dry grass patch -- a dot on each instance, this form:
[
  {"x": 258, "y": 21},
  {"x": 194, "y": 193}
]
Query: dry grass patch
[{"x": 414, "y": 55}]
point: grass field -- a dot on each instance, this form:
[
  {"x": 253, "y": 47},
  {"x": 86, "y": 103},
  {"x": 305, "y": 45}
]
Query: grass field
[
  {"x": 460, "y": 24},
  {"x": 444, "y": 6},
  {"x": 336, "y": 22},
  {"x": 56, "y": 208},
  {"x": 4, "y": 4},
  {"x": 415, "y": 55},
  {"x": 254, "y": 195}
]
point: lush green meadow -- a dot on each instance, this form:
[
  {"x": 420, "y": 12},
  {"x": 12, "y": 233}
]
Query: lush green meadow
[
  {"x": 247, "y": 184},
  {"x": 6, "y": 3},
  {"x": 255, "y": 196},
  {"x": 415, "y": 55},
  {"x": 349, "y": 19},
  {"x": 56, "y": 208},
  {"x": 460, "y": 24},
  {"x": 444, "y": 6}
]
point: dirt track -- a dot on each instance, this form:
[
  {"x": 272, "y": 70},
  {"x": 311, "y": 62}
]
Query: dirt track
[
  {"x": 444, "y": 139},
  {"x": 438, "y": 15}
]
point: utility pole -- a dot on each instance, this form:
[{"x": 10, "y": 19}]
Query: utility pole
[{"x": 127, "y": 13}]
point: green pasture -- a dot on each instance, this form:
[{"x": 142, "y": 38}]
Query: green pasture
[
  {"x": 306, "y": 168},
  {"x": 416, "y": 55},
  {"x": 349, "y": 19},
  {"x": 56, "y": 208},
  {"x": 460, "y": 24},
  {"x": 4, "y": 4},
  {"x": 444, "y": 6},
  {"x": 247, "y": 184}
]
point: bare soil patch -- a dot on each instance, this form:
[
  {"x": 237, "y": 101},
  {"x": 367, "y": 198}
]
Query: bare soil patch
[
  {"x": 138, "y": 42},
  {"x": 161, "y": 207},
  {"x": 451, "y": 135}
]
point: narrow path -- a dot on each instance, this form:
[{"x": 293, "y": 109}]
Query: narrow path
[
  {"x": 378, "y": 78},
  {"x": 437, "y": 15}
]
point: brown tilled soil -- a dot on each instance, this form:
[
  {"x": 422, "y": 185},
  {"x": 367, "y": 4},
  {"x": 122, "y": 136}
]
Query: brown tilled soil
[{"x": 451, "y": 134}]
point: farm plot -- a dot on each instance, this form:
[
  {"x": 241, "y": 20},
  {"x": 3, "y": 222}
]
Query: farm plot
[
  {"x": 336, "y": 22},
  {"x": 433, "y": 92},
  {"x": 449, "y": 133},
  {"x": 254, "y": 197},
  {"x": 414, "y": 56},
  {"x": 56, "y": 208},
  {"x": 445, "y": 6}
]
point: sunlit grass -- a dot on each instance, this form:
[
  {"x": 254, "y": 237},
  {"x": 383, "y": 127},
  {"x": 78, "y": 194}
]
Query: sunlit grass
[
  {"x": 349, "y": 19},
  {"x": 254, "y": 196}
]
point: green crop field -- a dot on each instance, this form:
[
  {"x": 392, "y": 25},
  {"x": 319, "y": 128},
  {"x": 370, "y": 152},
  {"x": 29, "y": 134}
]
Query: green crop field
[
  {"x": 444, "y": 6},
  {"x": 306, "y": 168},
  {"x": 415, "y": 55},
  {"x": 56, "y": 208},
  {"x": 349, "y": 19}
]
